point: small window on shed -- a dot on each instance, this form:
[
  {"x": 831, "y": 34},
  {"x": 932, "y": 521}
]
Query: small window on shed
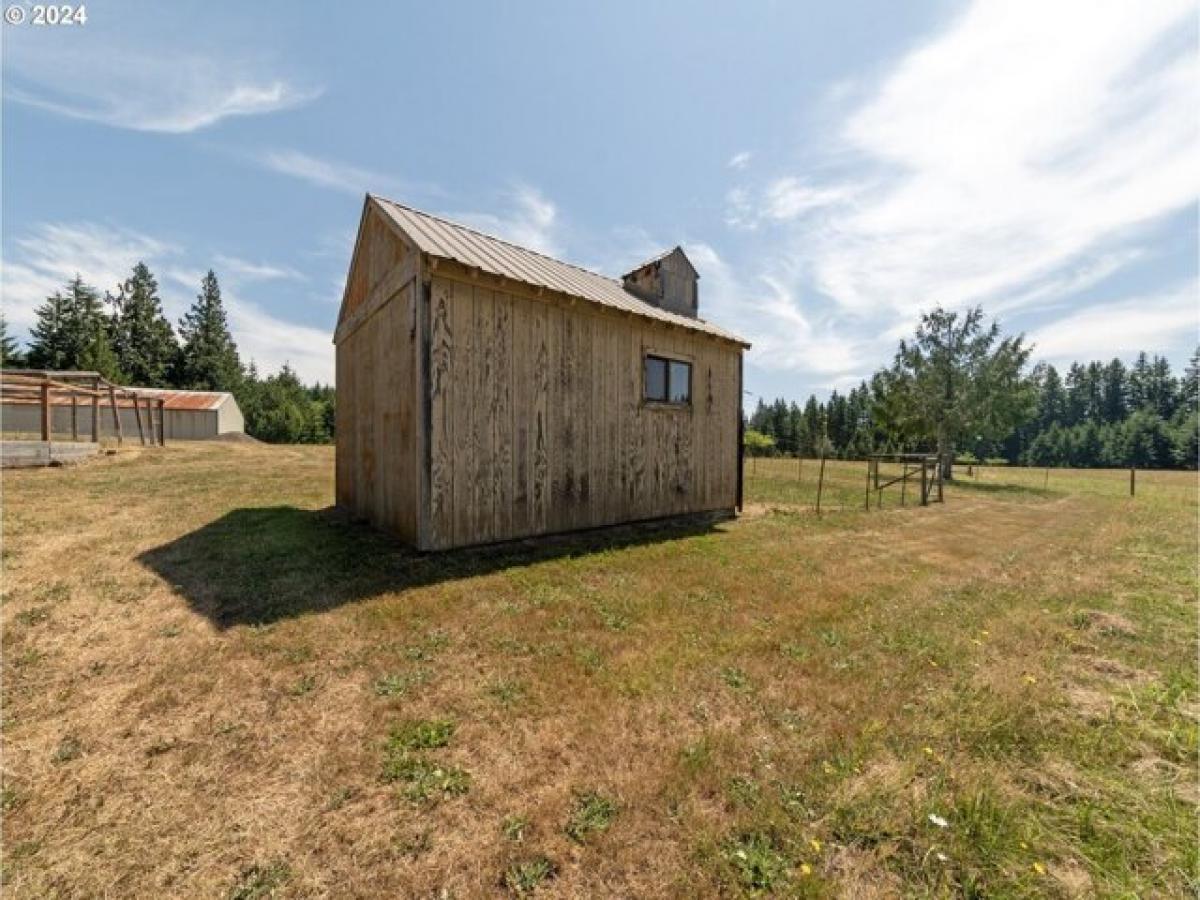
[{"x": 667, "y": 380}]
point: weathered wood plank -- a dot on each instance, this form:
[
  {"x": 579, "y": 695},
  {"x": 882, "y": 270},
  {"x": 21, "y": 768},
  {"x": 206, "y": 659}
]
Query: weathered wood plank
[
  {"x": 540, "y": 473},
  {"x": 462, "y": 317},
  {"x": 482, "y": 369},
  {"x": 501, "y": 418},
  {"x": 441, "y": 431},
  {"x": 521, "y": 413}
]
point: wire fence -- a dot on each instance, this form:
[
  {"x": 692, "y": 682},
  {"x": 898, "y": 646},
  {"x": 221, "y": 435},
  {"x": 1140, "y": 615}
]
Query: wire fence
[{"x": 849, "y": 484}]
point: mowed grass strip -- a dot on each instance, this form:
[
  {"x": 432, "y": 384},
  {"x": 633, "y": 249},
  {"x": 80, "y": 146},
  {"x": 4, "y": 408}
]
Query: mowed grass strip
[{"x": 215, "y": 686}]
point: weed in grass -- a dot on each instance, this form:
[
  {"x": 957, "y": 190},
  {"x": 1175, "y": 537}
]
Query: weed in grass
[
  {"x": 736, "y": 678},
  {"x": 514, "y": 827},
  {"x": 415, "y": 845},
  {"x": 744, "y": 791},
  {"x": 299, "y": 654},
  {"x": 405, "y": 761},
  {"x": 304, "y": 685},
  {"x": 526, "y": 876},
  {"x": 399, "y": 684},
  {"x": 697, "y": 756},
  {"x": 590, "y": 659},
  {"x": 829, "y": 637},
  {"x": 613, "y": 620},
  {"x": 10, "y": 798},
  {"x": 55, "y": 592},
  {"x": 435, "y": 642},
  {"x": 34, "y": 616},
  {"x": 340, "y": 798},
  {"x": 424, "y": 734},
  {"x": 170, "y": 631},
  {"x": 69, "y": 748},
  {"x": 593, "y": 814},
  {"x": 794, "y": 651},
  {"x": 423, "y": 778},
  {"x": 756, "y": 862},
  {"x": 28, "y": 657},
  {"x": 508, "y": 692},
  {"x": 261, "y": 881}
]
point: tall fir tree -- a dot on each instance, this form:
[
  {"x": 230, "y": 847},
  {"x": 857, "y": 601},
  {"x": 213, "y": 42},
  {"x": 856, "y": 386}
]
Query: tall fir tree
[
  {"x": 11, "y": 356},
  {"x": 141, "y": 335},
  {"x": 72, "y": 332},
  {"x": 208, "y": 358}
]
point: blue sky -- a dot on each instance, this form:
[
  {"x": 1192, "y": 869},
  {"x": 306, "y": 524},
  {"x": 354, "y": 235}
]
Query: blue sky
[{"x": 832, "y": 169}]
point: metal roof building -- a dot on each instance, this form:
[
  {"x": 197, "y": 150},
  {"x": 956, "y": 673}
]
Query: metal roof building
[
  {"x": 488, "y": 392},
  {"x": 188, "y": 416}
]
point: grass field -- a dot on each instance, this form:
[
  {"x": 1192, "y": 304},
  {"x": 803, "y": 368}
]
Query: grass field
[{"x": 215, "y": 687}]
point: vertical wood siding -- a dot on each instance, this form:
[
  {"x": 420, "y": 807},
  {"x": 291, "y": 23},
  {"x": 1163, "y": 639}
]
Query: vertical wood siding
[
  {"x": 537, "y": 423},
  {"x": 377, "y": 461}
]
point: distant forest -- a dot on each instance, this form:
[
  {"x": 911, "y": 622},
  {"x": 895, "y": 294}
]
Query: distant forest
[
  {"x": 1097, "y": 415},
  {"x": 125, "y": 336}
]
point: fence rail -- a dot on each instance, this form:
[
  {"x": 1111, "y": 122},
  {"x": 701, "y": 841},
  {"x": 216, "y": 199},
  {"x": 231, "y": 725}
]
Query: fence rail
[{"x": 49, "y": 389}]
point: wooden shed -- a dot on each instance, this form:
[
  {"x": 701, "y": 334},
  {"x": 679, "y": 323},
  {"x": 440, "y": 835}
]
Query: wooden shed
[{"x": 488, "y": 392}]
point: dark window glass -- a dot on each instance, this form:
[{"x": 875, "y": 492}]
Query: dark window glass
[
  {"x": 680, "y": 382},
  {"x": 656, "y": 378}
]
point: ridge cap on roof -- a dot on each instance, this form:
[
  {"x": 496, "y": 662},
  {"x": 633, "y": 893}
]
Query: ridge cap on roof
[{"x": 499, "y": 240}]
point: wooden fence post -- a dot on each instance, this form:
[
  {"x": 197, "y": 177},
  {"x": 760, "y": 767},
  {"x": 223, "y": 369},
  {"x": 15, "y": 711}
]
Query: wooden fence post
[
  {"x": 74, "y": 418},
  {"x": 96, "y": 411},
  {"x": 137, "y": 414},
  {"x": 903, "y": 481},
  {"x": 47, "y": 428},
  {"x": 1132, "y": 480},
  {"x": 112, "y": 398},
  {"x": 925, "y": 481},
  {"x": 820, "y": 483},
  {"x": 162, "y": 422}
]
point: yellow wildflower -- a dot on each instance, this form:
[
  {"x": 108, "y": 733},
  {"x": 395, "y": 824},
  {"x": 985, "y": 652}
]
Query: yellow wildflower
[
  {"x": 805, "y": 869},
  {"x": 815, "y": 844}
]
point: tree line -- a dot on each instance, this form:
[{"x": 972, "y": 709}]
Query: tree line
[
  {"x": 127, "y": 338},
  {"x": 962, "y": 388}
]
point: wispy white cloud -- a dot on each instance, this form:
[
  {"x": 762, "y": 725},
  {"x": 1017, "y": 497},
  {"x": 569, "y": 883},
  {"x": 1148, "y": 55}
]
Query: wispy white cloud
[
  {"x": 52, "y": 253},
  {"x": 102, "y": 81},
  {"x": 1158, "y": 321},
  {"x": 338, "y": 176},
  {"x": 261, "y": 271},
  {"x": 740, "y": 160},
  {"x": 769, "y": 315},
  {"x": 1015, "y": 159},
  {"x": 531, "y": 220}
]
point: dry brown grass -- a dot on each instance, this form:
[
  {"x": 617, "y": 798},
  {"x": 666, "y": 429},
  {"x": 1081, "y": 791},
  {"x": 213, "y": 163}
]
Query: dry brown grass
[{"x": 202, "y": 666}]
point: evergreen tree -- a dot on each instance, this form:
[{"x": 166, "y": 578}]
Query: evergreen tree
[
  {"x": 141, "y": 335},
  {"x": 1115, "y": 405},
  {"x": 1189, "y": 386},
  {"x": 208, "y": 359},
  {"x": 11, "y": 356},
  {"x": 1052, "y": 396},
  {"x": 72, "y": 332}
]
